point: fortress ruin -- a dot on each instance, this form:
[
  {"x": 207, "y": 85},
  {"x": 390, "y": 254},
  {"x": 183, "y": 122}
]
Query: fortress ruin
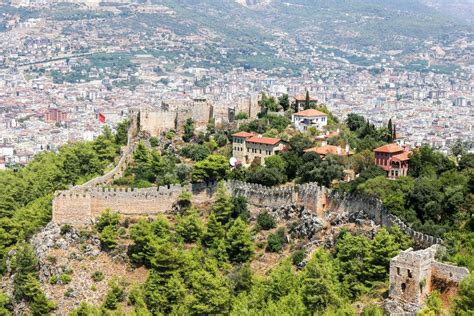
[{"x": 415, "y": 274}]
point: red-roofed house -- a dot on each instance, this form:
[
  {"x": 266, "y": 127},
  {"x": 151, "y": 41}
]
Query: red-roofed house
[
  {"x": 325, "y": 150},
  {"x": 247, "y": 147},
  {"x": 394, "y": 159},
  {"x": 309, "y": 118}
]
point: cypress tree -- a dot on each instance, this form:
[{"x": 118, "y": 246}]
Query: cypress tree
[
  {"x": 307, "y": 104},
  {"x": 390, "y": 130}
]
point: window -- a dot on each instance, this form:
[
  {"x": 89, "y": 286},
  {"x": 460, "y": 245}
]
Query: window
[
  {"x": 398, "y": 271},
  {"x": 409, "y": 273}
]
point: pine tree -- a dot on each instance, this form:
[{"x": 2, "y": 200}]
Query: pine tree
[
  {"x": 352, "y": 253},
  {"x": 189, "y": 226},
  {"x": 282, "y": 280},
  {"x": 383, "y": 249},
  {"x": 211, "y": 293},
  {"x": 239, "y": 242},
  {"x": 214, "y": 231},
  {"x": 464, "y": 302},
  {"x": 223, "y": 205},
  {"x": 319, "y": 284}
]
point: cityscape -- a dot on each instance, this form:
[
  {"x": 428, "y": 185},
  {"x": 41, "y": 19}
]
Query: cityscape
[
  {"x": 58, "y": 72},
  {"x": 237, "y": 157}
]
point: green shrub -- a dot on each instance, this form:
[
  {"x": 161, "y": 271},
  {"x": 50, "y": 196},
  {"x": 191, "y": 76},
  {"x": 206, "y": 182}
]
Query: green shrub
[
  {"x": 69, "y": 293},
  {"x": 114, "y": 295},
  {"x": 66, "y": 228},
  {"x": 241, "y": 116},
  {"x": 97, "y": 276},
  {"x": 65, "y": 278},
  {"x": 109, "y": 238},
  {"x": 53, "y": 279},
  {"x": 107, "y": 218},
  {"x": 265, "y": 221},
  {"x": 125, "y": 181},
  {"x": 276, "y": 241},
  {"x": 298, "y": 256},
  {"x": 154, "y": 141}
]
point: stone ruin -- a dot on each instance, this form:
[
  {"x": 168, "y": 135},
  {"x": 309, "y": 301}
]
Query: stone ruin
[{"x": 414, "y": 275}]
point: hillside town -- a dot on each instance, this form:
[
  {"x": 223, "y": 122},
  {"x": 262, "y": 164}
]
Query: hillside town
[{"x": 57, "y": 75}]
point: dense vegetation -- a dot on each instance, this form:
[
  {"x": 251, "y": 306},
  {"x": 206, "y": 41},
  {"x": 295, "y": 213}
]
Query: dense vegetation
[
  {"x": 25, "y": 202},
  {"x": 198, "y": 268}
]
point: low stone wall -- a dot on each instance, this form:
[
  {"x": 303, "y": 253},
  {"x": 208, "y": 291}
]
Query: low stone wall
[
  {"x": 125, "y": 159},
  {"x": 449, "y": 272}
]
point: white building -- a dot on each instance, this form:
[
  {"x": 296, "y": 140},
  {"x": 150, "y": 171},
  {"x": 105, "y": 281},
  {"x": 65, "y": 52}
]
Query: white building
[{"x": 309, "y": 118}]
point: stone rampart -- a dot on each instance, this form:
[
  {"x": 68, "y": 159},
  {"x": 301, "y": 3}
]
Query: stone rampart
[
  {"x": 81, "y": 206},
  {"x": 83, "y": 203},
  {"x": 309, "y": 195},
  {"x": 374, "y": 208},
  {"x": 125, "y": 158},
  {"x": 449, "y": 272}
]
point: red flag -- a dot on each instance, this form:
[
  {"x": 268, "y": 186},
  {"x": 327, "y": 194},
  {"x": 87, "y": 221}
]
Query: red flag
[{"x": 101, "y": 118}]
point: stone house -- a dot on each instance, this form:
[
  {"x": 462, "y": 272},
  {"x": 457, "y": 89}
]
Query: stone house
[
  {"x": 309, "y": 118},
  {"x": 247, "y": 147}
]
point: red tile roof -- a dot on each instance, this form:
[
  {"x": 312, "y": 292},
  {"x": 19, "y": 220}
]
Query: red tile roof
[
  {"x": 389, "y": 148},
  {"x": 403, "y": 156},
  {"x": 264, "y": 140},
  {"x": 310, "y": 112},
  {"x": 328, "y": 149},
  {"x": 242, "y": 134}
]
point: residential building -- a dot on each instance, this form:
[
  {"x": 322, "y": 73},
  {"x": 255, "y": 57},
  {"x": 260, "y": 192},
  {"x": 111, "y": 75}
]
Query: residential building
[
  {"x": 325, "y": 150},
  {"x": 309, "y": 118},
  {"x": 300, "y": 101},
  {"x": 247, "y": 147},
  {"x": 393, "y": 159},
  {"x": 55, "y": 115}
]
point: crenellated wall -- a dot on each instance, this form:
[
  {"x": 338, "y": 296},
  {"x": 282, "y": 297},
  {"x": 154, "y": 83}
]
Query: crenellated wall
[
  {"x": 310, "y": 195},
  {"x": 374, "y": 208},
  {"x": 82, "y": 204}
]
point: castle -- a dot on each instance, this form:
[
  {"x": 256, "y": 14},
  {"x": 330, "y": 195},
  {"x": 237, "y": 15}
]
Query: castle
[{"x": 413, "y": 274}]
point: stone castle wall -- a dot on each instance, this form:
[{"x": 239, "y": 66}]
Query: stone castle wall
[
  {"x": 173, "y": 115},
  {"x": 125, "y": 158},
  {"x": 81, "y": 206},
  {"x": 414, "y": 275},
  {"x": 309, "y": 195},
  {"x": 374, "y": 208}
]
